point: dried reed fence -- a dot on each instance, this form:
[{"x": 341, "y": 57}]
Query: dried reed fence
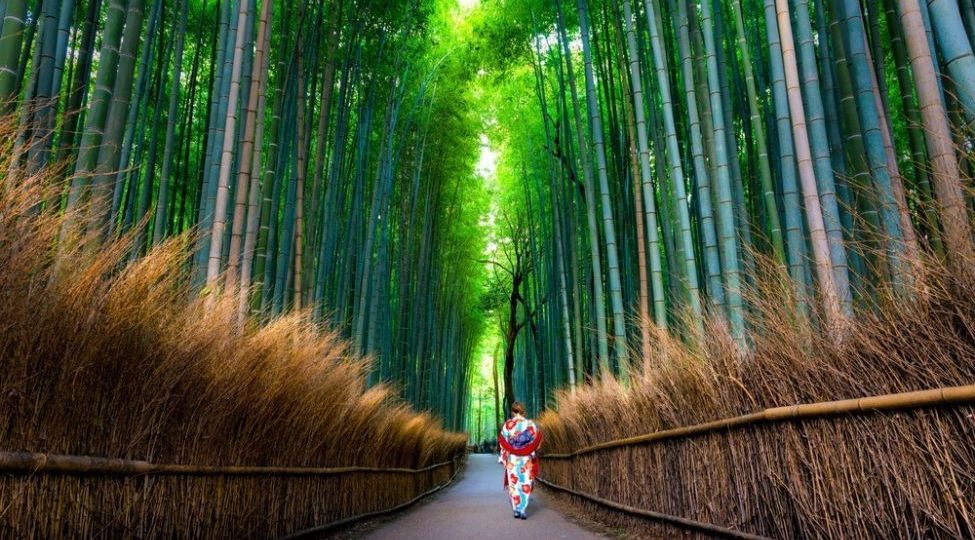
[
  {"x": 254, "y": 501},
  {"x": 898, "y": 465},
  {"x": 103, "y": 356}
]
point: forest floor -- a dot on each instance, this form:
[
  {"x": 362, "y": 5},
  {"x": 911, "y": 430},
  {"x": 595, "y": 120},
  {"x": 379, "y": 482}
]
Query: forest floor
[{"x": 476, "y": 508}]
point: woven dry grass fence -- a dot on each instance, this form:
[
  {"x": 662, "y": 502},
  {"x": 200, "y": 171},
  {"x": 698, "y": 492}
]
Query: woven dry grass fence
[
  {"x": 109, "y": 358},
  {"x": 205, "y": 505},
  {"x": 908, "y": 472}
]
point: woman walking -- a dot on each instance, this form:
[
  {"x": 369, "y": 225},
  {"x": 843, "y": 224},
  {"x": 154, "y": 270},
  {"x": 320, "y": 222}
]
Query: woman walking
[{"x": 519, "y": 439}]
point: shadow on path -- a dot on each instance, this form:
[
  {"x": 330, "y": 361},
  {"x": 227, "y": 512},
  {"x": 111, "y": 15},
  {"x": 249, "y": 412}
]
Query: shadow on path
[{"x": 475, "y": 508}]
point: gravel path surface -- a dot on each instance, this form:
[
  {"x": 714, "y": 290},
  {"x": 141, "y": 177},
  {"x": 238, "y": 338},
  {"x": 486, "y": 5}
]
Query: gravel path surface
[{"x": 476, "y": 508}]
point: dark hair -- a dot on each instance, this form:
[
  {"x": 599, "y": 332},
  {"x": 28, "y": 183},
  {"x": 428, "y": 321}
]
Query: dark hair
[{"x": 517, "y": 408}]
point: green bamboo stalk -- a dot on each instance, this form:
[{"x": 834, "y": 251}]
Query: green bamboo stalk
[
  {"x": 727, "y": 235},
  {"x": 707, "y": 230},
  {"x": 649, "y": 197},
  {"x": 804, "y": 160},
  {"x": 795, "y": 239},
  {"x": 99, "y": 103},
  {"x": 758, "y": 137},
  {"x": 944, "y": 164},
  {"x": 876, "y": 153},
  {"x": 609, "y": 228},
  {"x": 822, "y": 163},
  {"x": 598, "y": 299},
  {"x": 11, "y": 39},
  {"x": 675, "y": 167},
  {"x": 159, "y": 227},
  {"x": 243, "y": 38},
  {"x": 956, "y": 51}
]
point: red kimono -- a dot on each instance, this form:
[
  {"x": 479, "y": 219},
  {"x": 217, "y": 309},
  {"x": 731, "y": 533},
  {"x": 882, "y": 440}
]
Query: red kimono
[{"x": 519, "y": 439}]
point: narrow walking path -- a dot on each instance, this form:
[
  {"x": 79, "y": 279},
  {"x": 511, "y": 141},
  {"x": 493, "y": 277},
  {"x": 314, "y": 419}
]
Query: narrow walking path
[{"x": 477, "y": 508}]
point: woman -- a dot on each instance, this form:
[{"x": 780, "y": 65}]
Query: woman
[{"x": 519, "y": 439}]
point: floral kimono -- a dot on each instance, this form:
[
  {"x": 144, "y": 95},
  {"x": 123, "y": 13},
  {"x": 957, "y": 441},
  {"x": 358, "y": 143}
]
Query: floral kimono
[{"x": 518, "y": 440}]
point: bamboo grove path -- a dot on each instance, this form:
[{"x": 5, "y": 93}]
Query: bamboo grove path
[{"x": 476, "y": 508}]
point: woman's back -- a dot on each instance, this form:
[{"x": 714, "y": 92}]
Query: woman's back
[
  {"x": 519, "y": 439},
  {"x": 520, "y": 429}
]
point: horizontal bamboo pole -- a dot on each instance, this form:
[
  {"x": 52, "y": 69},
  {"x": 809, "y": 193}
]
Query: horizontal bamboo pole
[
  {"x": 954, "y": 395},
  {"x": 315, "y": 531},
  {"x": 33, "y": 463},
  {"x": 683, "y": 523}
]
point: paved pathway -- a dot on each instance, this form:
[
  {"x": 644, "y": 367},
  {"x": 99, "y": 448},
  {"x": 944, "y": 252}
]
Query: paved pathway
[{"x": 477, "y": 508}]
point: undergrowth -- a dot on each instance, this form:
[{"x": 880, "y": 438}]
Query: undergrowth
[
  {"x": 102, "y": 357},
  {"x": 892, "y": 475}
]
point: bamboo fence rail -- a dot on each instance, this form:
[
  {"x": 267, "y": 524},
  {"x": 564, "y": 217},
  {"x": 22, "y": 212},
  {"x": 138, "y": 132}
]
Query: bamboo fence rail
[
  {"x": 32, "y": 463},
  {"x": 29, "y": 464},
  {"x": 954, "y": 395},
  {"x": 348, "y": 521}
]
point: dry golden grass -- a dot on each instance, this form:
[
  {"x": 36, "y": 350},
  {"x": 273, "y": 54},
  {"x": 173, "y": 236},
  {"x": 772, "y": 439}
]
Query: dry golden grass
[
  {"x": 104, "y": 358},
  {"x": 892, "y": 475}
]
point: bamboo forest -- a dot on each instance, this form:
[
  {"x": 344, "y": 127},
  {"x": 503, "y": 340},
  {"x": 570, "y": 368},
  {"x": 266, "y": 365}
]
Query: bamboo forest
[{"x": 336, "y": 268}]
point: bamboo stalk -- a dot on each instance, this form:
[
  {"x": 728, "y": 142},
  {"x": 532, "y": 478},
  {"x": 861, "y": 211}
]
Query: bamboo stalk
[
  {"x": 953, "y": 395},
  {"x": 33, "y": 463}
]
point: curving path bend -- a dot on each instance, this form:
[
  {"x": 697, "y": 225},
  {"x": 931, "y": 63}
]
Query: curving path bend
[{"x": 476, "y": 508}]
